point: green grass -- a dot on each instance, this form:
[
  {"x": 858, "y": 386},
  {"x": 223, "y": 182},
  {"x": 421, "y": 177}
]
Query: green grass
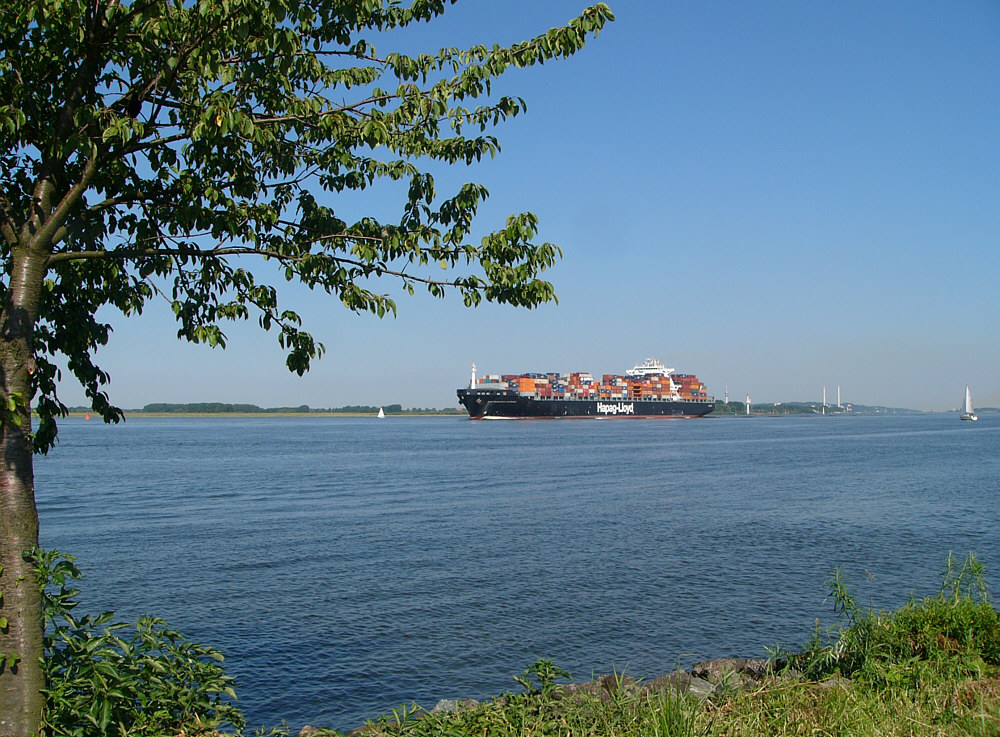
[{"x": 967, "y": 707}]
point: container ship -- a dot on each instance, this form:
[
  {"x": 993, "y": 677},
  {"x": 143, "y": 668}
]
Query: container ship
[{"x": 650, "y": 389}]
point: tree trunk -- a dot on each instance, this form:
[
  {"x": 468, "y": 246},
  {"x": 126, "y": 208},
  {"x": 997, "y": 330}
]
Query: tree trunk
[
  {"x": 21, "y": 679},
  {"x": 21, "y": 682}
]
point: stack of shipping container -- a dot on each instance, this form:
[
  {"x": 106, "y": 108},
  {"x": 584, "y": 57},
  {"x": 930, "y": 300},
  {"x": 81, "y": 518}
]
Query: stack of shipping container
[{"x": 610, "y": 386}]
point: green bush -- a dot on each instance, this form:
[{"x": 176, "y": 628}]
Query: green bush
[
  {"x": 113, "y": 679},
  {"x": 954, "y": 634}
]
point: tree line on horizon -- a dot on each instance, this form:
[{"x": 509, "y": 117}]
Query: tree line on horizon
[
  {"x": 806, "y": 408},
  {"x": 226, "y": 408}
]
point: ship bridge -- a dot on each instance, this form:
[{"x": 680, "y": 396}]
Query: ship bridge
[{"x": 649, "y": 367}]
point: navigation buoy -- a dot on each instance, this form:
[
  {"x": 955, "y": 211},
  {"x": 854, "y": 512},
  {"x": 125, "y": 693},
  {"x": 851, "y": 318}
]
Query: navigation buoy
[{"x": 87, "y": 416}]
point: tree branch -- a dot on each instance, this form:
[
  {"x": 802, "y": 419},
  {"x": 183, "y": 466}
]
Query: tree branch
[
  {"x": 7, "y": 228},
  {"x": 326, "y": 113},
  {"x": 128, "y": 254},
  {"x": 42, "y": 238}
]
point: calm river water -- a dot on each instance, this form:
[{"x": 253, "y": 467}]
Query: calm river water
[{"x": 346, "y": 566}]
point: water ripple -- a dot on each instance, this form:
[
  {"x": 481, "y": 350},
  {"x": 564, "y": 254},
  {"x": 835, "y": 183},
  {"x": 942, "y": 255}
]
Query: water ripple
[{"x": 346, "y": 566}]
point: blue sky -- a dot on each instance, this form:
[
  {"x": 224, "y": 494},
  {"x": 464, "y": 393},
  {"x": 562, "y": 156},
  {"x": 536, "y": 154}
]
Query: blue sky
[{"x": 776, "y": 196}]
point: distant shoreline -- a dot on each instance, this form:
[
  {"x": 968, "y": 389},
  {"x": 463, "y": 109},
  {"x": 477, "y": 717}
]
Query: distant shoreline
[
  {"x": 79, "y": 413},
  {"x": 140, "y": 413}
]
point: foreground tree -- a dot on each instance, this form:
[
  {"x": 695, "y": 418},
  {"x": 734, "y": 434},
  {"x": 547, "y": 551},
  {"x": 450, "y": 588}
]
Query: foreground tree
[{"x": 172, "y": 147}]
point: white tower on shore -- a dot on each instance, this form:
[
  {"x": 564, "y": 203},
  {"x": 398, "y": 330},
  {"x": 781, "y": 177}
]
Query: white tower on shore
[
  {"x": 824, "y": 399},
  {"x": 748, "y": 402},
  {"x": 472, "y": 383},
  {"x": 839, "y": 405}
]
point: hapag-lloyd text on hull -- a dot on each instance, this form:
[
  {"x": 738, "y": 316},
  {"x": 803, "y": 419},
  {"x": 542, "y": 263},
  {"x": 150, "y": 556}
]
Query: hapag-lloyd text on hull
[{"x": 615, "y": 408}]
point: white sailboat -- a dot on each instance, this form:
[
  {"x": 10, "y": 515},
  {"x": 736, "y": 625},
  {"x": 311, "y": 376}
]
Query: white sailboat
[
  {"x": 967, "y": 413},
  {"x": 381, "y": 413}
]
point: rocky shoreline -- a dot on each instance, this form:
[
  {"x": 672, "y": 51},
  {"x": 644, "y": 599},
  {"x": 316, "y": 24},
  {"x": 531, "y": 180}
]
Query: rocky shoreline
[{"x": 703, "y": 680}]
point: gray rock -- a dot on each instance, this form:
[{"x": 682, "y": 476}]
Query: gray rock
[
  {"x": 759, "y": 668},
  {"x": 834, "y": 682},
  {"x": 605, "y": 688},
  {"x": 615, "y": 684},
  {"x": 721, "y": 668},
  {"x": 731, "y": 675},
  {"x": 700, "y": 688},
  {"x": 310, "y": 731},
  {"x": 682, "y": 682},
  {"x": 367, "y": 730},
  {"x": 446, "y": 706},
  {"x": 581, "y": 691},
  {"x": 678, "y": 681}
]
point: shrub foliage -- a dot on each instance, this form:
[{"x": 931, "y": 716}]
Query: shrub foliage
[
  {"x": 953, "y": 634},
  {"x": 114, "y": 679}
]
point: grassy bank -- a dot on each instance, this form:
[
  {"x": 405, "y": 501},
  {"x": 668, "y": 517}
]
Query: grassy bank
[
  {"x": 967, "y": 707},
  {"x": 929, "y": 668}
]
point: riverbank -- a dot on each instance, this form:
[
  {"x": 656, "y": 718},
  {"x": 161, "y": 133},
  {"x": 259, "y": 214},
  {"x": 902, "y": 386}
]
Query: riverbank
[{"x": 720, "y": 698}]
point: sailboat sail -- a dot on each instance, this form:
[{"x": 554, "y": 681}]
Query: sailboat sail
[{"x": 967, "y": 411}]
